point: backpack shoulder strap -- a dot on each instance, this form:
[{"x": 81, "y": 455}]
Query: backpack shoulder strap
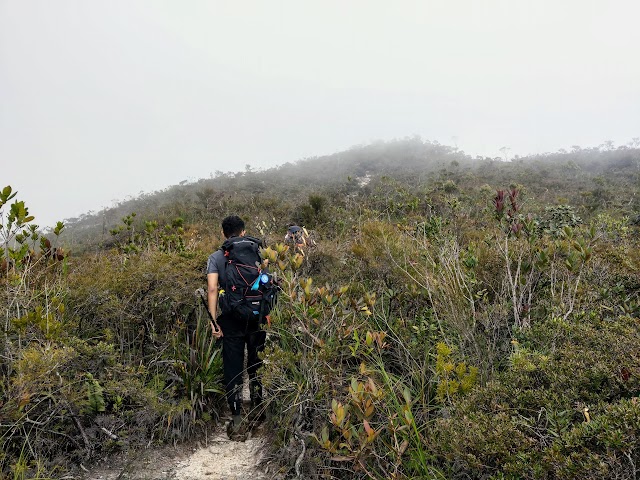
[
  {"x": 254, "y": 239},
  {"x": 233, "y": 240},
  {"x": 222, "y": 269}
]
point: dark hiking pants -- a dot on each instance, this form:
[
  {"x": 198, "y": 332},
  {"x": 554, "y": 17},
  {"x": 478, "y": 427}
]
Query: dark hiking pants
[{"x": 233, "y": 361}]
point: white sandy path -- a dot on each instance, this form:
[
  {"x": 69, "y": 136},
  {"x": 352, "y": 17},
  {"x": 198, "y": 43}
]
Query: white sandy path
[
  {"x": 220, "y": 459},
  {"x": 224, "y": 459}
]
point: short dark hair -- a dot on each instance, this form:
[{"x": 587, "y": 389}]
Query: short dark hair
[{"x": 232, "y": 226}]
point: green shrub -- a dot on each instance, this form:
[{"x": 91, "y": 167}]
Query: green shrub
[{"x": 553, "y": 413}]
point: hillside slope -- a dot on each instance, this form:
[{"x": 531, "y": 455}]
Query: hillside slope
[
  {"x": 459, "y": 318},
  {"x": 587, "y": 179}
]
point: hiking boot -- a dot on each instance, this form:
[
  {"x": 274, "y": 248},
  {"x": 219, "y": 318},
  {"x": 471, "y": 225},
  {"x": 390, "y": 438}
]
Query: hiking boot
[
  {"x": 257, "y": 412},
  {"x": 257, "y": 415},
  {"x": 256, "y": 402},
  {"x": 235, "y": 430},
  {"x": 255, "y": 393}
]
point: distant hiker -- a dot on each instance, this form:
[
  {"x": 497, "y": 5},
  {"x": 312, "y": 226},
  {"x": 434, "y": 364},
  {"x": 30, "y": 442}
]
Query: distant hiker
[
  {"x": 298, "y": 237},
  {"x": 246, "y": 294}
]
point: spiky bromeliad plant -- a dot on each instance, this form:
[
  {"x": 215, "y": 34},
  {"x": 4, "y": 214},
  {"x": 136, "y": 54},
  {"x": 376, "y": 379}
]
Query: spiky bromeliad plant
[{"x": 199, "y": 366}]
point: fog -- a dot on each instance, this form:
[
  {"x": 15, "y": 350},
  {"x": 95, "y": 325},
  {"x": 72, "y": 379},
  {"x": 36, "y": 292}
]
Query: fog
[{"x": 100, "y": 101}]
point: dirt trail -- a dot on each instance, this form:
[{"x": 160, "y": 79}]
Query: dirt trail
[
  {"x": 223, "y": 459},
  {"x": 213, "y": 458},
  {"x": 219, "y": 459}
]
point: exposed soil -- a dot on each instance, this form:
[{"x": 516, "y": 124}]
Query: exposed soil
[{"x": 214, "y": 458}]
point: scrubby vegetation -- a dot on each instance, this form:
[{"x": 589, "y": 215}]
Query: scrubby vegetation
[{"x": 459, "y": 318}]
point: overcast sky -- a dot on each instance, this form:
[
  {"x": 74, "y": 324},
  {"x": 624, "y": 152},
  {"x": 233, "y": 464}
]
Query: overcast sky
[{"x": 101, "y": 100}]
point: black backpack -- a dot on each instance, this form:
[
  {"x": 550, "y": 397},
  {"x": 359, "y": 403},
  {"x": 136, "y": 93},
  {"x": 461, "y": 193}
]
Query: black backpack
[{"x": 249, "y": 291}]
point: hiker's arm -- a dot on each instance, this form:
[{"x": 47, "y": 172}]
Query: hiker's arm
[{"x": 212, "y": 301}]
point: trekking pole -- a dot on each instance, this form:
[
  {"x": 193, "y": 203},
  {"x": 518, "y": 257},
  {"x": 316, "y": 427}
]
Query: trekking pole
[{"x": 200, "y": 293}]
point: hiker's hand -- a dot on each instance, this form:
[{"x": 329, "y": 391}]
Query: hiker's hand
[{"x": 216, "y": 331}]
